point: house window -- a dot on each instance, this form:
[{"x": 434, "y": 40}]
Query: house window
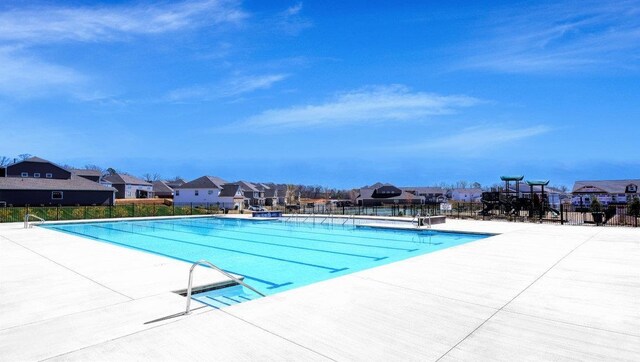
[
  {"x": 196, "y": 193},
  {"x": 56, "y": 195},
  {"x": 37, "y": 174},
  {"x": 210, "y": 192},
  {"x": 49, "y": 175},
  {"x": 24, "y": 174},
  {"x": 177, "y": 192}
]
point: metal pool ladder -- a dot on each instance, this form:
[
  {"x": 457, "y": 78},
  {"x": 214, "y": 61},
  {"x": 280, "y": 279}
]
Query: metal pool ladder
[
  {"x": 205, "y": 262},
  {"x": 26, "y": 220}
]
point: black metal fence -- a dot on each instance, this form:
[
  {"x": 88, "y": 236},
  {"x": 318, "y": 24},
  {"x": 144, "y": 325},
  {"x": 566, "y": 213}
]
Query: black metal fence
[
  {"x": 17, "y": 214},
  {"x": 619, "y": 215}
]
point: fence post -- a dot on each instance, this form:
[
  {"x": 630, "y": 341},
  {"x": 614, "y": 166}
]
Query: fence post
[
  {"x": 191, "y": 209},
  {"x": 173, "y": 208},
  {"x": 561, "y": 214},
  {"x": 58, "y": 212},
  {"x": 133, "y": 208}
]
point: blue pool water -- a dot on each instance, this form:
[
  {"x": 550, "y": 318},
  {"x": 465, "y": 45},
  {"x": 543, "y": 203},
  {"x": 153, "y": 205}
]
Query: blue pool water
[{"x": 273, "y": 256}]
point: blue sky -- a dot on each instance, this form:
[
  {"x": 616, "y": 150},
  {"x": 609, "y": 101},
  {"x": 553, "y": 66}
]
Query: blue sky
[{"x": 338, "y": 94}]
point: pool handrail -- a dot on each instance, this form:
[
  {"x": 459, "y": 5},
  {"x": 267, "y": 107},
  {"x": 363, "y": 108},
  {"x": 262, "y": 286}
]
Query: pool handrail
[
  {"x": 230, "y": 276},
  {"x": 26, "y": 220}
]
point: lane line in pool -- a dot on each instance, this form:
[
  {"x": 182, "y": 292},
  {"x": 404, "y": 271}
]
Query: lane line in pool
[
  {"x": 331, "y": 270},
  {"x": 329, "y": 241},
  {"x": 272, "y": 285},
  {"x": 376, "y": 258},
  {"x": 262, "y": 226}
]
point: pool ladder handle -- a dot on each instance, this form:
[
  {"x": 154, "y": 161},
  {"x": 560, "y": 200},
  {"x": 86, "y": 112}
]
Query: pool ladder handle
[
  {"x": 205, "y": 262},
  {"x": 418, "y": 217},
  {"x": 26, "y": 220}
]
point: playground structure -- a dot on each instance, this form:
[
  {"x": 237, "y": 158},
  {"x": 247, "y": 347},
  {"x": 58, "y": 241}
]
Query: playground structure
[{"x": 512, "y": 202}]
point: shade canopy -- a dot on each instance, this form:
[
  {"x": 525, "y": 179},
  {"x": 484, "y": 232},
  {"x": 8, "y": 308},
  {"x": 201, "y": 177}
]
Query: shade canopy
[
  {"x": 537, "y": 182},
  {"x": 511, "y": 178}
]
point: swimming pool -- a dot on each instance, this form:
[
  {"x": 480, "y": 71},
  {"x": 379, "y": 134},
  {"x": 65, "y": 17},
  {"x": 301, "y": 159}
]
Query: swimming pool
[{"x": 273, "y": 256}]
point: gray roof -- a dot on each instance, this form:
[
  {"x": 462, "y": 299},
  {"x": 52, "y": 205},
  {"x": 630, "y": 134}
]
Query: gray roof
[
  {"x": 229, "y": 190},
  {"x": 424, "y": 190},
  {"x": 76, "y": 183},
  {"x": 120, "y": 179},
  {"x": 608, "y": 186},
  {"x": 247, "y": 186},
  {"x": 35, "y": 159},
  {"x": 80, "y": 172},
  {"x": 204, "y": 182},
  {"x": 161, "y": 187},
  {"x": 175, "y": 183}
]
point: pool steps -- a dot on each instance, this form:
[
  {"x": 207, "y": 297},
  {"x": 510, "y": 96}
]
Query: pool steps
[{"x": 225, "y": 297}]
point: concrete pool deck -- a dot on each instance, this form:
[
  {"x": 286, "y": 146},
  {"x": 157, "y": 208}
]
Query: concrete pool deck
[{"x": 534, "y": 292}]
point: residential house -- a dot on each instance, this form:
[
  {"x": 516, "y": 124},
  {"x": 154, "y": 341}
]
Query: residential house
[
  {"x": 277, "y": 193},
  {"x": 430, "y": 194},
  {"x": 386, "y": 194},
  {"x": 203, "y": 190},
  {"x": 252, "y": 194},
  {"x": 36, "y": 181},
  {"x": 232, "y": 197},
  {"x": 271, "y": 196},
  {"x": 608, "y": 192},
  {"x": 130, "y": 187},
  {"x": 465, "y": 195},
  {"x": 162, "y": 190}
]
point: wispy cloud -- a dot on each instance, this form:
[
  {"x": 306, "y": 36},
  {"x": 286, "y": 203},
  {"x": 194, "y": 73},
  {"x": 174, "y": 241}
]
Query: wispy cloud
[
  {"x": 46, "y": 24},
  {"x": 291, "y": 21},
  {"x": 22, "y": 76},
  {"x": 473, "y": 139},
  {"x": 230, "y": 88},
  {"x": 559, "y": 37},
  {"x": 370, "y": 104}
]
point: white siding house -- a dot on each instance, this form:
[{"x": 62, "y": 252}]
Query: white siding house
[
  {"x": 466, "y": 195},
  {"x": 608, "y": 192},
  {"x": 203, "y": 190}
]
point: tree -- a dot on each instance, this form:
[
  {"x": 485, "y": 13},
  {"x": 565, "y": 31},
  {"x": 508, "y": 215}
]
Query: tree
[
  {"x": 4, "y": 161},
  {"x": 151, "y": 177},
  {"x": 634, "y": 207},
  {"x": 111, "y": 171},
  {"x": 476, "y": 185},
  {"x": 462, "y": 184},
  {"x": 292, "y": 192},
  {"x": 24, "y": 156},
  {"x": 596, "y": 206}
]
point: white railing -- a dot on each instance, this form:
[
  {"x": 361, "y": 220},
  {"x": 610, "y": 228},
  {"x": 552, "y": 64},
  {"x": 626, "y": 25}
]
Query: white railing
[
  {"x": 205, "y": 262},
  {"x": 28, "y": 216}
]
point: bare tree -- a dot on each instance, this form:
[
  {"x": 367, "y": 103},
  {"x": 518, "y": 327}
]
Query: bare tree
[
  {"x": 151, "y": 177},
  {"x": 24, "y": 156},
  {"x": 462, "y": 184},
  {"x": 292, "y": 195},
  {"x": 476, "y": 185},
  {"x": 4, "y": 161}
]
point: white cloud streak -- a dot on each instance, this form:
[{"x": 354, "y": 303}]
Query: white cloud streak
[
  {"x": 370, "y": 104},
  {"x": 561, "y": 36},
  {"x": 87, "y": 24},
  {"x": 474, "y": 139},
  {"x": 22, "y": 76},
  {"x": 230, "y": 88}
]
